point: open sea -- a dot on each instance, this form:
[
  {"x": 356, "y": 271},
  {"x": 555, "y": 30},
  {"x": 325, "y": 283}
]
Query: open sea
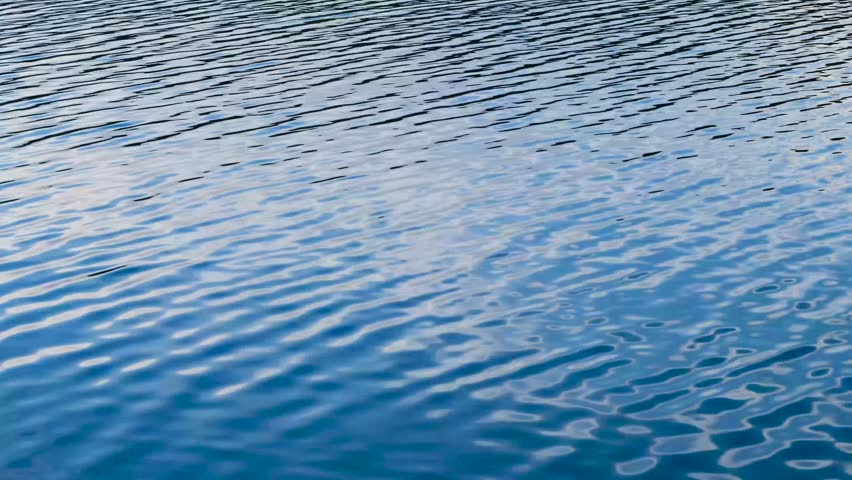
[{"x": 425, "y": 240}]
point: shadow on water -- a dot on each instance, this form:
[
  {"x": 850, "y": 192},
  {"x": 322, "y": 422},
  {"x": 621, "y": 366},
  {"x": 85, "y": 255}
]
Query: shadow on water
[{"x": 398, "y": 239}]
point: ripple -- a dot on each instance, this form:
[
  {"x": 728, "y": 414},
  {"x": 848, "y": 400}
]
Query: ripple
[{"x": 394, "y": 239}]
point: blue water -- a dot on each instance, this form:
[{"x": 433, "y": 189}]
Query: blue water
[{"x": 481, "y": 239}]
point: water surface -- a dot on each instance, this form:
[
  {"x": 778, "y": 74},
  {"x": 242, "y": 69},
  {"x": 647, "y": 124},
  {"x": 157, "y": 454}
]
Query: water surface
[{"x": 477, "y": 239}]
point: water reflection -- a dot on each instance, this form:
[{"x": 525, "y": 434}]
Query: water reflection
[{"x": 395, "y": 239}]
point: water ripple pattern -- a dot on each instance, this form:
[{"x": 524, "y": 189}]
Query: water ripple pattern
[{"x": 395, "y": 239}]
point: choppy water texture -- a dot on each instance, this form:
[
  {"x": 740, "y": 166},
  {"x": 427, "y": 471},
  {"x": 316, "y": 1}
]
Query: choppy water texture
[{"x": 477, "y": 239}]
